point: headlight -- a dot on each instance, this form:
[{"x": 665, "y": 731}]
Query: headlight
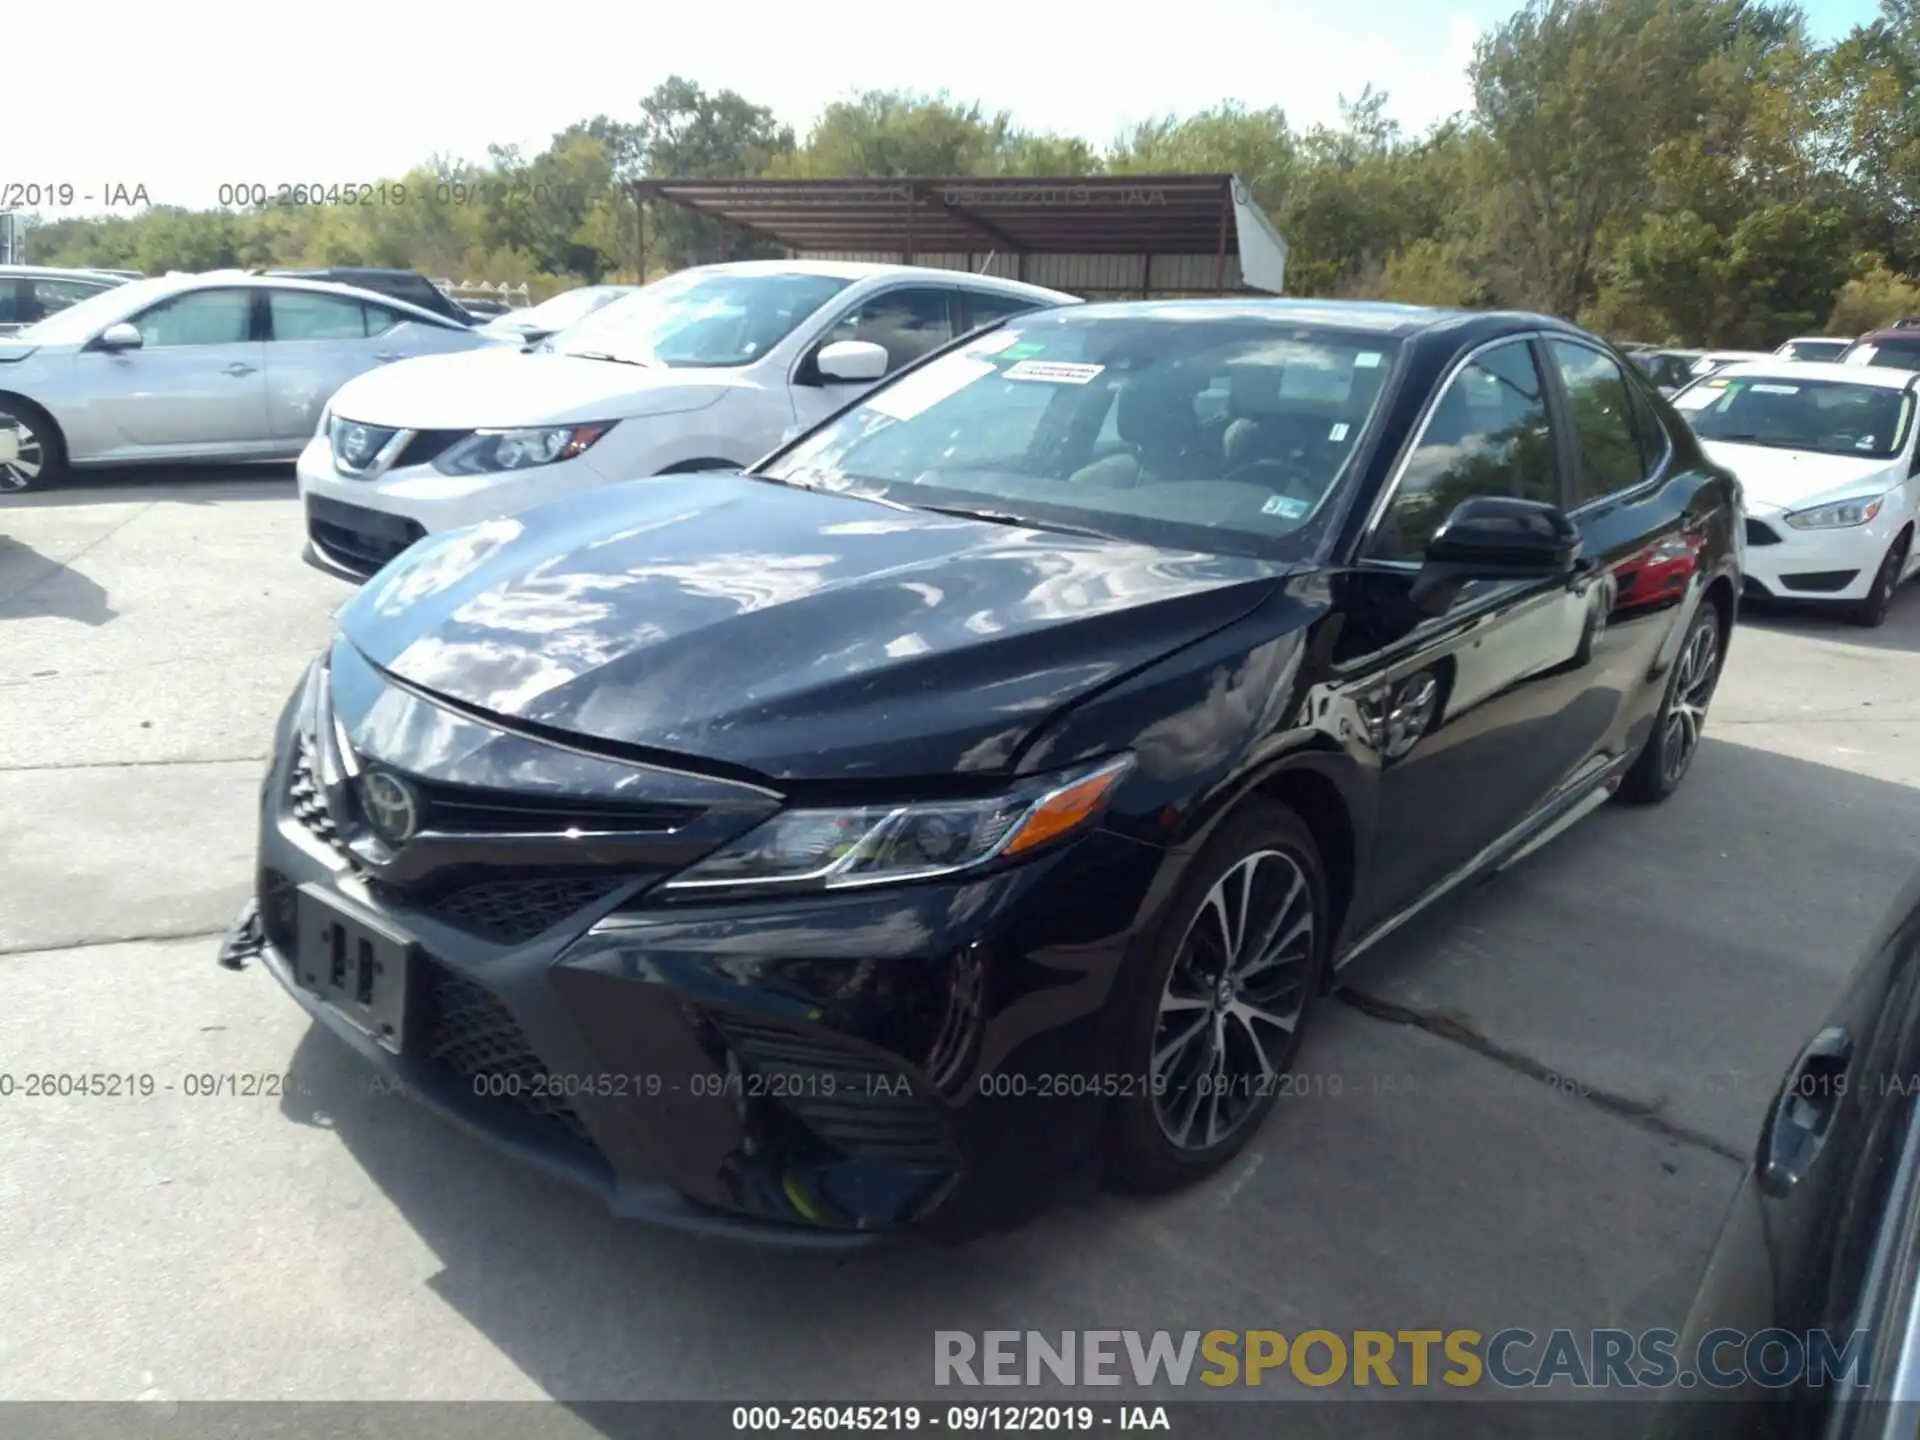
[
  {"x": 1840, "y": 515},
  {"x": 486, "y": 451},
  {"x": 881, "y": 844}
]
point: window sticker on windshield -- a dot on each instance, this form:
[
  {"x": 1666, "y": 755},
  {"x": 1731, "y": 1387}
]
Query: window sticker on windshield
[
  {"x": 1025, "y": 347},
  {"x": 1367, "y": 360},
  {"x": 1058, "y": 372},
  {"x": 1284, "y": 506},
  {"x": 1775, "y": 389},
  {"x": 1339, "y": 432},
  {"x": 926, "y": 388}
]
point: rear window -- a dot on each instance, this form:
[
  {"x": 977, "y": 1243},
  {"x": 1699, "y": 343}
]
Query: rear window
[{"x": 1898, "y": 353}]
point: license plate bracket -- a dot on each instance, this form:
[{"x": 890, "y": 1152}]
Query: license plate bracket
[{"x": 357, "y": 966}]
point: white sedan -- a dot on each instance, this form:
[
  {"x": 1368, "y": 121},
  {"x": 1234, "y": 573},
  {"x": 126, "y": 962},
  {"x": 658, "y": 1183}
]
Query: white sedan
[
  {"x": 1826, "y": 457},
  {"x": 707, "y": 369},
  {"x": 222, "y": 366}
]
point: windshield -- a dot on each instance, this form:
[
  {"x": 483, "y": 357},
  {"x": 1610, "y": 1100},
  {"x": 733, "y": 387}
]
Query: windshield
[
  {"x": 1221, "y": 435},
  {"x": 79, "y": 322},
  {"x": 1896, "y": 354},
  {"x": 563, "y": 310},
  {"x": 701, "y": 318},
  {"x": 1832, "y": 417},
  {"x": 1812, "y": 349}
]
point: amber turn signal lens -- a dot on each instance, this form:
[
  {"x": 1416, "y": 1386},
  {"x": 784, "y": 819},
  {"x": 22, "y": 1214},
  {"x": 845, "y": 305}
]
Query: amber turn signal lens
[{"x": 1066, "y": 809}]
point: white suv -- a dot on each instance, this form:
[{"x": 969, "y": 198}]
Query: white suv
[{"x": 708, "y": 369}]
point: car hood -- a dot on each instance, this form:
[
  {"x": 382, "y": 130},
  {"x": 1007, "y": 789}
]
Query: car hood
[
  {"x": 503, "y": 385},
  {"x": 1793, "y": 479},
  {"x": 797, "y": 635}
]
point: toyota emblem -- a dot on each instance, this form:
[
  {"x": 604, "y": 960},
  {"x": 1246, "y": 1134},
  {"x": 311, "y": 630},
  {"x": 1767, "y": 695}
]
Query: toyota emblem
[{"x": 390, "y": 806}]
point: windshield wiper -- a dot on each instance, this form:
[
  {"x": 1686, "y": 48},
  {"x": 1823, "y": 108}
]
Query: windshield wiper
[
  {"x": 603, "y": 355},
  {"x": 1004, "y": 517}
]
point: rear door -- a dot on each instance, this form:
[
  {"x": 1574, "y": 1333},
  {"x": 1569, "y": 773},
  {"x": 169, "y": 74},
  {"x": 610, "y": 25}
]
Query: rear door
[{"x": 1643, "y": 526}]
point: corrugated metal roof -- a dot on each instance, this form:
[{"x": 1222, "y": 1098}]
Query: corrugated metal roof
[{"x": 1118, "y": 233}]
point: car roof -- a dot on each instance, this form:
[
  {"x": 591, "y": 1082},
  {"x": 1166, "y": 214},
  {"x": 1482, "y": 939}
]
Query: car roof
[
  {"x": 1884, "y": 377},
  {"x": 857, "y": 270},
  {"x": 180, "y": 280},
  {"x": 1902, "y": 329},
  {"x": 1380, "y": 317},
  {"x": 64, "y": 272}
]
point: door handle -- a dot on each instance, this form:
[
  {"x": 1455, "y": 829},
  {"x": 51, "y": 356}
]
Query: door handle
[
  {"x": 384, "y": 356},
  {"x": 1803, "y": 1112},
  {"x": 239, "y": 368}
]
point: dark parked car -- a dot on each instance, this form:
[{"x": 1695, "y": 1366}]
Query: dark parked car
[
  {"x": 973, "y": 797},
  {"x": 406, "y": 285},
  {"x": 30, "y": 293},
  {"x": 1897, "y": 346},
  {"x": 1669, "y": 370},
  {"x": 1823, "y": 1238}
]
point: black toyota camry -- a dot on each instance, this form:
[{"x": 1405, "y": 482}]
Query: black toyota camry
[{"x": 970, "y": 800}]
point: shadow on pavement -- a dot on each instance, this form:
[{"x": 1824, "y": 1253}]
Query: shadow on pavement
[
  {"x": 1633, "y": 942},
  {"x": 31, "y": 584},
  {"x": 1901, "y": 632},
  {"x": 175, "y": 484}
]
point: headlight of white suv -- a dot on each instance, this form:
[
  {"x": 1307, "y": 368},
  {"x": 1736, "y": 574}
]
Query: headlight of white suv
[
  {"x": 488, "y": 451},
  {"x": 1840, "y": 515},
  {"x": 865, "y": 845}
]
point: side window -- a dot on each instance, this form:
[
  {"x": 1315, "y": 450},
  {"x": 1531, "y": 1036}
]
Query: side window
[
  {"x": 205, "y": 317},
  {"x": 50, "y": 296},
  {"x": 1488, "y": 435},
  {"x": 986, "y": 307},
  {"x": 299, "y": 315},
  {"x": 380, "y": 319},
  {"x": 1653, "y": 434},
  {"x": 1608, "y": 441},
  {"x": 13, "y": 295},
  {"x": 909, "y": 323}
]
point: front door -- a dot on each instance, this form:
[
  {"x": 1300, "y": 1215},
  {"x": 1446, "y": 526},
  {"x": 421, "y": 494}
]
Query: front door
[
  {"x": 1465, "y": 712},
  {"x": 909, "y": 322},
  {"x": 197, "y": 382}
]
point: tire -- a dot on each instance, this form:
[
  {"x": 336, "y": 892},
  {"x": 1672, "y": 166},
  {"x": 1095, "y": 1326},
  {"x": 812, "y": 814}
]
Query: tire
[
  {"x": 1265, "y": 857},
  {"x": 1871, "y": 613},
  {"x": 37, "y": 436},
  {"x": 1667, "y": 756}
]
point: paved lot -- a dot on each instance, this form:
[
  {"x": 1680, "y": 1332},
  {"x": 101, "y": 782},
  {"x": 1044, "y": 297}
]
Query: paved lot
[{"x": 339, "y": 1244}]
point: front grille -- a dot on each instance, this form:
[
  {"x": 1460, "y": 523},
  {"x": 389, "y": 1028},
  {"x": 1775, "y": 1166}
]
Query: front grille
[
  {"x": 1761, "y": 534},
  {"x": 464, "y": 1031},
  {"x": 1820, "y": 582},
  {"x": 464, "y": 810},
  {"x": 306, "y": 802},
  {"x": 857, "y": 1103},
  {"x": 363, "y": 540},
  {"x": 510, "y": 912},
  {"x": 428, "y": 445},
  {"x": 356, "y": 446}
]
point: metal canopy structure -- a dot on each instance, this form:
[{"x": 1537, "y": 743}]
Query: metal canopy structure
[{"x": 1090, "y": 235}]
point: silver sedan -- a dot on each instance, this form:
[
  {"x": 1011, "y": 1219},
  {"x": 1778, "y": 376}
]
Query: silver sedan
[{"x": 221, "y": 366}]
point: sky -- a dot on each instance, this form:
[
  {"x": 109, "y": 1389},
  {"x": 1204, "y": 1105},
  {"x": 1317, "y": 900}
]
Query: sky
[{"x": 212, "y": 94}]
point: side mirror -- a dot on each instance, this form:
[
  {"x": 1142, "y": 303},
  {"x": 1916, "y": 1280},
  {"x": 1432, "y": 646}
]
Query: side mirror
[
  {"x": 852, "y": 361},
  {"x": 119, "y": 337},
  {"x": 1495, "y": 537}
]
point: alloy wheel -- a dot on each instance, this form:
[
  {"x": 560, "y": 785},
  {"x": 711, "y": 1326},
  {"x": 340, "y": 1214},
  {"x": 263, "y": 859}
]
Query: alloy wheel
[
  {"x": 1692, "y": 689},
  {"x": 23, "y": 455},
  {"x": 1233, "y": 1000}
]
